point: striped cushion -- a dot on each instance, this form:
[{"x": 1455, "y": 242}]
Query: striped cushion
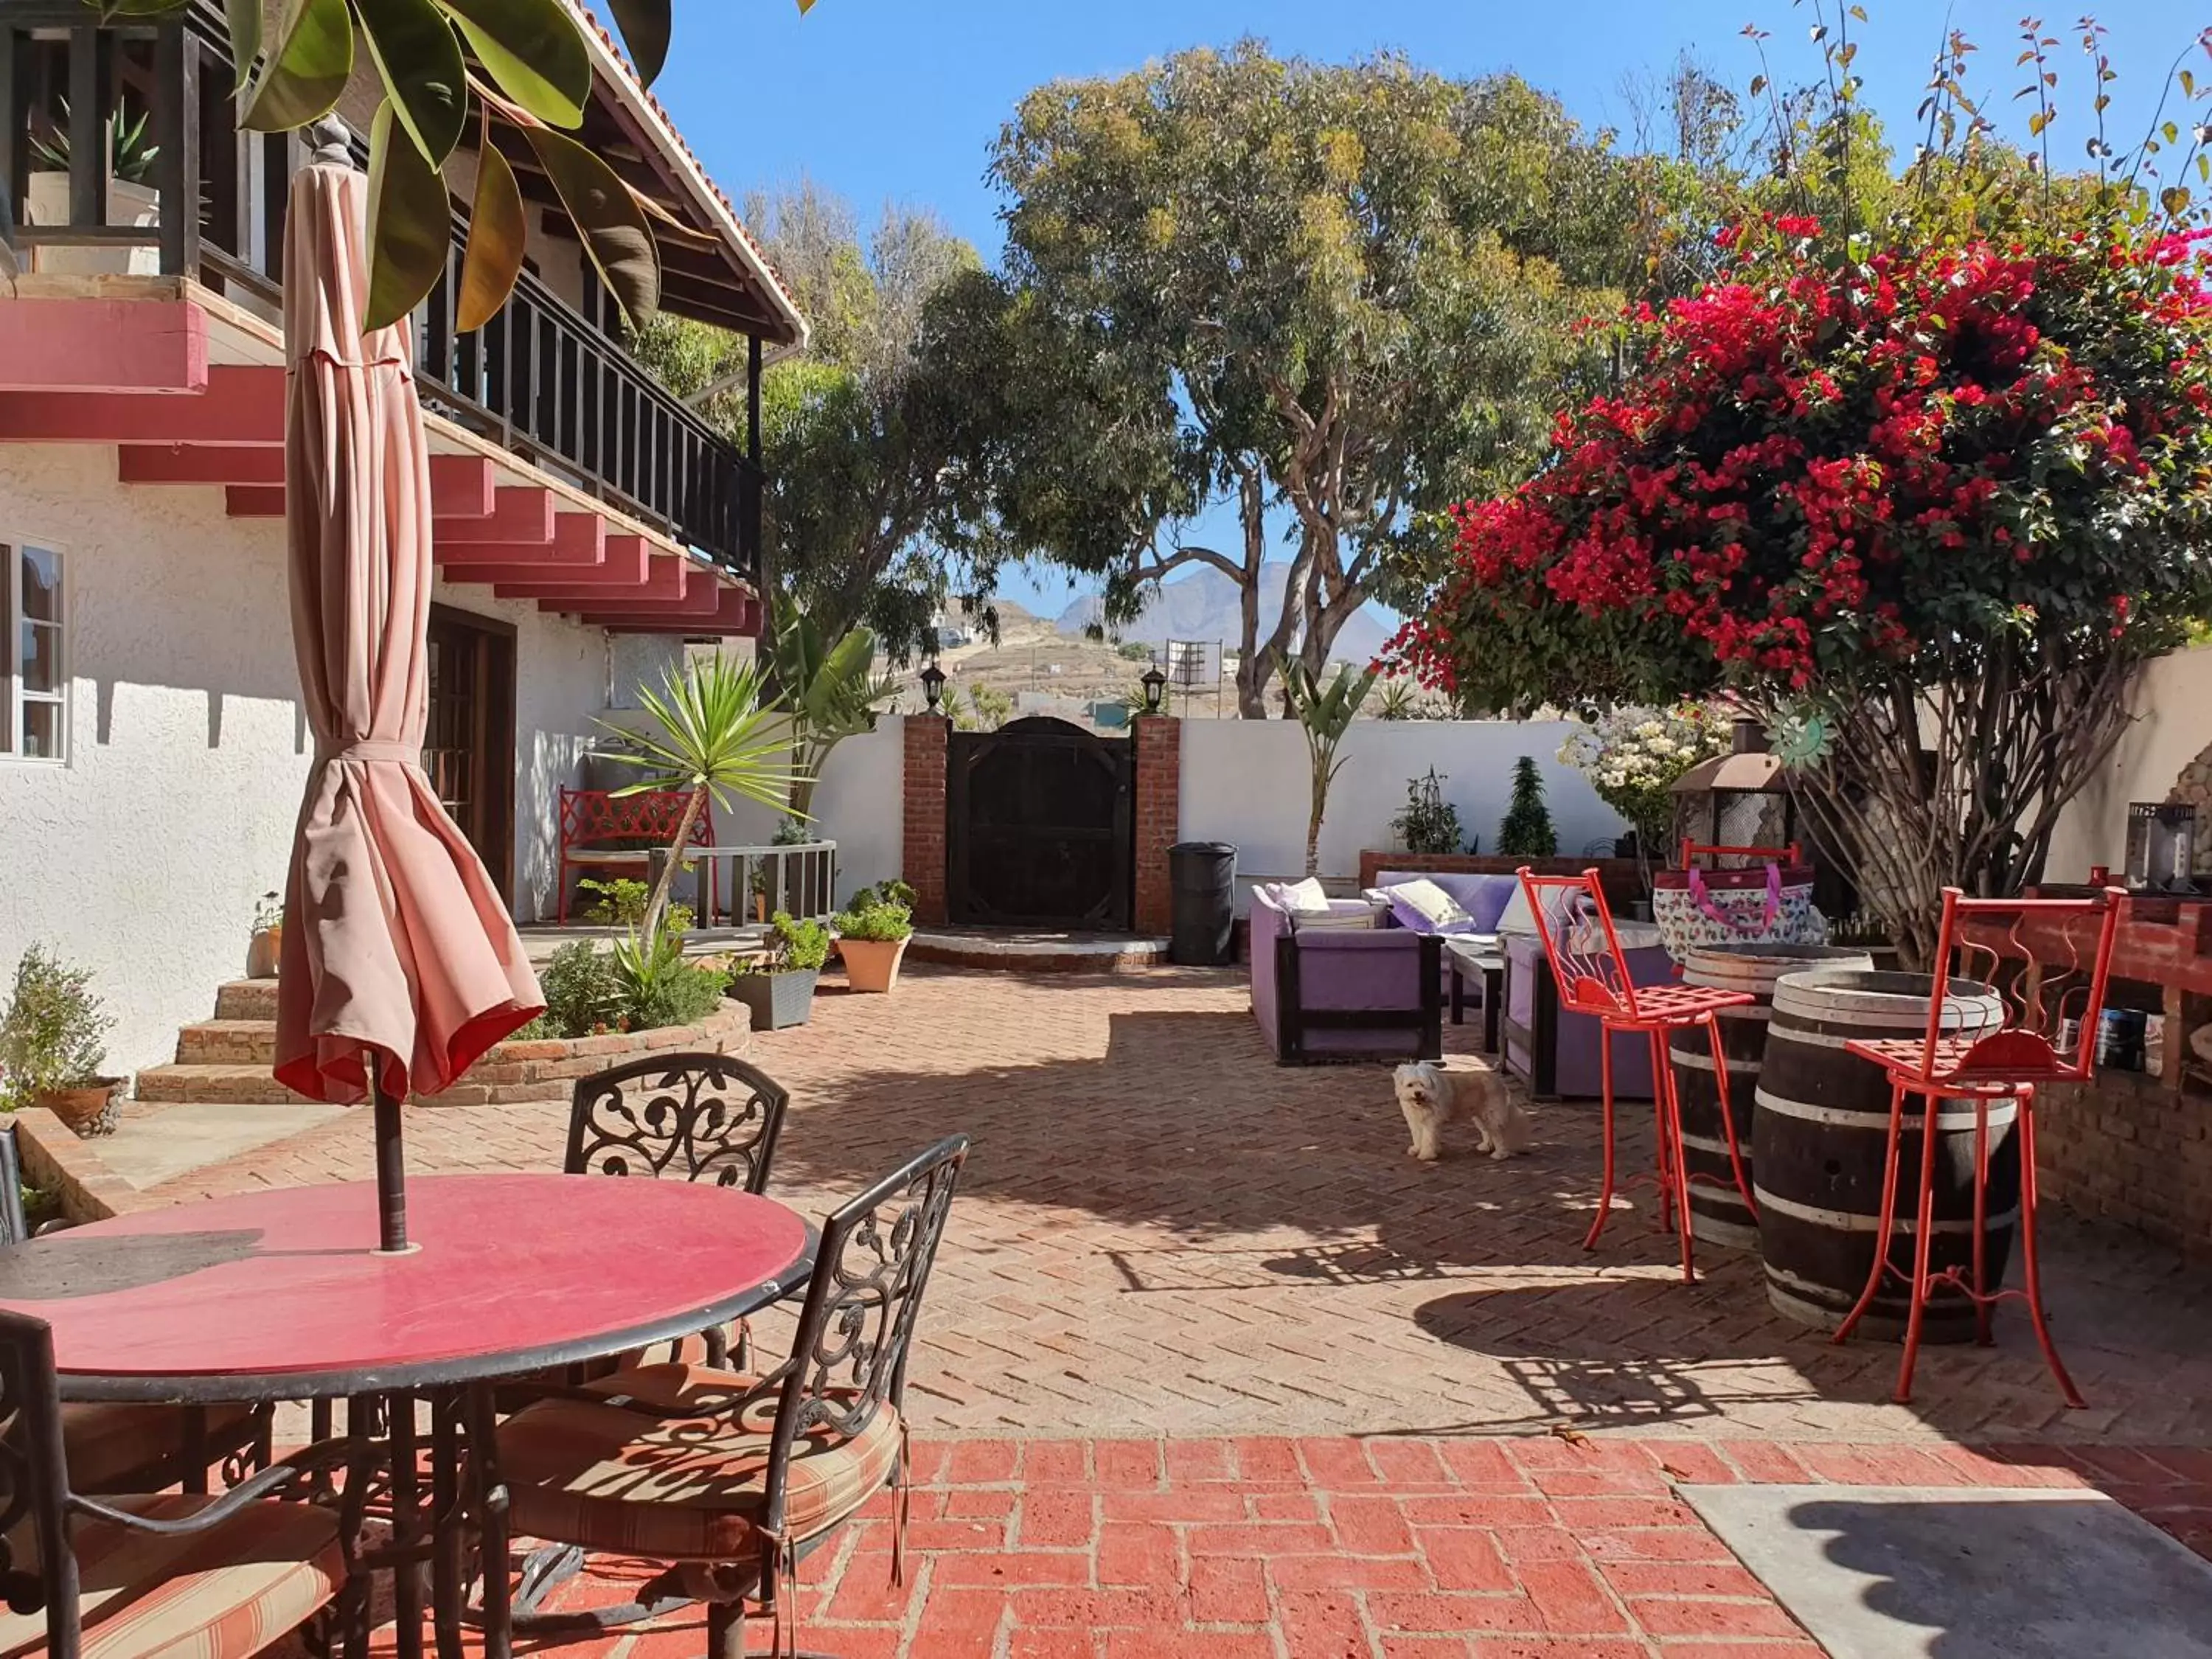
[
  {"x": 692, "y": 1489},
  {"x": 223, "y": 1594},
  {"x": 110, "y": 1443}
]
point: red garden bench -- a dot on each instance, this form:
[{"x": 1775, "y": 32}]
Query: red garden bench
[{"x": 603, "y": 831}]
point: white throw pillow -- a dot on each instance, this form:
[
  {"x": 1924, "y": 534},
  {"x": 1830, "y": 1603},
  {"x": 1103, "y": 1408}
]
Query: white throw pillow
[
  {"x": 1436, "y": 907},
  {"x": 1302, "y": 898}
]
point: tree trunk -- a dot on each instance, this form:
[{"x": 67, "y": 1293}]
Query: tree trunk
[
  {"x": 1252, "y": 671},
  {"x": 657, "y": 906},
  {"x": 1313, "y": 836}
]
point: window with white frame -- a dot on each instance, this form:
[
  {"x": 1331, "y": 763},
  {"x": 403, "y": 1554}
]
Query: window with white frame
[{"x": 33, "y": 691}]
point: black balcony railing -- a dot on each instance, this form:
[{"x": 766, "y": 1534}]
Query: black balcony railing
[{"x": 541, "y": 377}]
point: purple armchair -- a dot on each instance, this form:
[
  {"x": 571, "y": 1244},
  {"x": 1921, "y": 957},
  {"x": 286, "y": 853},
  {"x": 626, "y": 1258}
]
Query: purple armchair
[{"x": 1335, "y": 993}]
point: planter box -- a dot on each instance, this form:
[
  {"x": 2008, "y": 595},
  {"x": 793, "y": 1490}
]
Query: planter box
[{"x": 777, "y": 1000}]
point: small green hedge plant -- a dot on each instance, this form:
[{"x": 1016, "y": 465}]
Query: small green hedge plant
[
  {"x": 793, "y": 947},
  {"x": 882, "y": 914}
]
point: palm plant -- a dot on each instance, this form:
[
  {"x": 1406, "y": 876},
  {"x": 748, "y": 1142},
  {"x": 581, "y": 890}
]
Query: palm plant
[
  {"x": 1325, "y": 713},
  {"x": 830, "y": 692},
  {"x": 720, "y": 738}
]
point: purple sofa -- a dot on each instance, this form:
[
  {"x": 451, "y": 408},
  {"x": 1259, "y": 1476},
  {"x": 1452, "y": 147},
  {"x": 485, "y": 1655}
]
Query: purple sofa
[{"x": 1335, "y": 993}]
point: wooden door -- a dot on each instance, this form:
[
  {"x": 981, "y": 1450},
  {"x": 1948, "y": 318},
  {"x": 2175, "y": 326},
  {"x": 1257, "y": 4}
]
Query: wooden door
[{"x": 468, "y": 748}]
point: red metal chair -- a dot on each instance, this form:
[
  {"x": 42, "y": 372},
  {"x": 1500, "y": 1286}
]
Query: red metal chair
[
  {"x": 1576, "y": 925},
  {"x": 2050, "y": 961}
]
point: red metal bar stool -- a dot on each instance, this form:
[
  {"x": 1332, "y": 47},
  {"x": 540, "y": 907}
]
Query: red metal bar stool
[
  {"x": 1576, "y": 925},
  {"x": 2049, "y": 960}
]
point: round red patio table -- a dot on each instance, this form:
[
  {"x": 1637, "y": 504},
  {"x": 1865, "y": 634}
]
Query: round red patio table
[{"x": 282, "y": 1294}]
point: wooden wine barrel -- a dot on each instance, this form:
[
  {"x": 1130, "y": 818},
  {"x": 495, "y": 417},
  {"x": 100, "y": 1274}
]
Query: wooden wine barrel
[
  {"x": 1718, "y": 1214},
  {"x": 1821, "y": 1133}
]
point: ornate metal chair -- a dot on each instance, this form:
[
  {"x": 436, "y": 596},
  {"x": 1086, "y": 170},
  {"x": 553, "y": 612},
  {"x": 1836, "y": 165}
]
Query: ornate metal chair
[
  {"x": 180, "y": 1573},
  {"x": 686, "y": 1117},
  {"x": 133, "y": 1448},
  {"x": 734, "y": 1480},
  {"x": 2050, "y": 960},
  {"x": 1576, "y": 925}
]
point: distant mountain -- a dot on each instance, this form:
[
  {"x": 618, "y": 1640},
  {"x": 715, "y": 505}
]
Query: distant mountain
[{"x": 1204, "y": 605}]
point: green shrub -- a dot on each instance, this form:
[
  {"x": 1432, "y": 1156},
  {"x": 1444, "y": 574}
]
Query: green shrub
[
  {"x": 619, "y": 901},
  {"x": 581, "y": 992},
  {"x": 793, "y": 947},
  {"x": 656, "y": 987},
  {"x": 1527, "y": 832},
  {"x": 55, "y": 1031},
  {"x": 881, "y": 913}
]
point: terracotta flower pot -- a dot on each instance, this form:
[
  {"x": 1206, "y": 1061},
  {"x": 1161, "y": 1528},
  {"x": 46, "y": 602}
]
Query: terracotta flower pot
[
  {"x": 871, "y": 964},
  {"x": 89, "y": 1108},
  {"x": 266, "y": 950}
]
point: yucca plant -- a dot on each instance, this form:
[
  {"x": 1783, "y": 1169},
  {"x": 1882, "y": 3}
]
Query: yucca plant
[
  {"x": 829, "y": 692},
  {"x": 1326, "y": 712},
  {"x": 719, "y": 737}
]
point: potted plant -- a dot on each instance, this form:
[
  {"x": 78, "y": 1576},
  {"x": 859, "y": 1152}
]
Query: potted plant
[
  {"x": 873, "y": 934},
  {"x": 266, "y": 949},
  {"x": 779, "y": 988},
  {"x": 132, "y": 198},
  {"x": 53, "y": 1040}
]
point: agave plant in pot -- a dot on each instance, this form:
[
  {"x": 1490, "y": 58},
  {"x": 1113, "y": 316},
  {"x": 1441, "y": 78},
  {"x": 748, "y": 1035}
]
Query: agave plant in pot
[
  {"x": 872, "y": 932},
  {"x": 53, "y": 1041},
  {"x": 779, "y": 988}
]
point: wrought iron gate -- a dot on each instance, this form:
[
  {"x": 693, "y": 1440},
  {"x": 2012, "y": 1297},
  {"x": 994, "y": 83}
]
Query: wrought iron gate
[{"x": 1040, "y": 827}]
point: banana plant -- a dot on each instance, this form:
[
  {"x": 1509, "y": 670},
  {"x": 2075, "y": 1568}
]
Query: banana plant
[
  {"x": 1326, "y": 712},
  {"x": 521, "y": 66},
  {"x": 830, "y": 692}
]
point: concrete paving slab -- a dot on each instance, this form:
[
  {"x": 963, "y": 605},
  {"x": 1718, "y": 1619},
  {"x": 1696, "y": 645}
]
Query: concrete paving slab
[
  {"x": 151, "y": 1146},
  {"x": 1886, "y": 1573}
]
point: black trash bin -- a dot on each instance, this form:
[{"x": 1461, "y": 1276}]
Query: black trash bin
[{"x": 1204, "y": 875}]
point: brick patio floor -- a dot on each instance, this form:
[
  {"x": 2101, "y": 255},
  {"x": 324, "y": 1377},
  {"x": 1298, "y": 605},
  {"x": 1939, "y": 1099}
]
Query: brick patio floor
[
  {"x": 1164, "y": 1233},
  {"x": 1332, "y": 1547}
]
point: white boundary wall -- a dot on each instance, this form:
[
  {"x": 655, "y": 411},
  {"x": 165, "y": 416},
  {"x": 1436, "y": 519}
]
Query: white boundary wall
[
  {"x": 2172, "y": 724},
  {"x": 1248, "y": 782}
]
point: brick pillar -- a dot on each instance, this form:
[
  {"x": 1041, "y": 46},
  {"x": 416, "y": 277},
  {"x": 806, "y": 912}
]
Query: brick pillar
[
  {"x": 1159, "y": 816},
  {"x": 922, "y": 860}
]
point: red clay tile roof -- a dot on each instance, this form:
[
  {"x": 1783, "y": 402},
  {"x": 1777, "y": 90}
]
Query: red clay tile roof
[{"x": 681, "y": 155}]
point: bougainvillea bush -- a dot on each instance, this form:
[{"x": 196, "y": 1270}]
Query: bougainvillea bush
[{"x": 1926, "y": 511}]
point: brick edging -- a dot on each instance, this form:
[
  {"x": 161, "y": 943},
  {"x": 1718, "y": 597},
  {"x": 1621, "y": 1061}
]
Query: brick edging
[
  {"x": 56, "y": 1159},
  {"x": 518, "y": 1073}
]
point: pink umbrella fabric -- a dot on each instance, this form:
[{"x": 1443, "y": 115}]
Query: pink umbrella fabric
[{"x": 395, "y": 942}]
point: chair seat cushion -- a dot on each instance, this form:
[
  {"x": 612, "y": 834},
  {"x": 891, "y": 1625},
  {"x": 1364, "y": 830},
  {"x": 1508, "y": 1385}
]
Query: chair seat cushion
[
  {"x": 110, "y": 1443},
  {"x": 690, "y": 1488},
  {"x": 223, "y": 1594}
]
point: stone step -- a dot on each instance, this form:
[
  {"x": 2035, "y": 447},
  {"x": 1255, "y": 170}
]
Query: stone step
[
  {"x": 246, "y": 998},
  {"x": 231, "y": 1085},
  {"x": 228, "y": 1042}
]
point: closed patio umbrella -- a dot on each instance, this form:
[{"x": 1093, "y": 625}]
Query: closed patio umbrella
[{"x": 400, "y": 963}]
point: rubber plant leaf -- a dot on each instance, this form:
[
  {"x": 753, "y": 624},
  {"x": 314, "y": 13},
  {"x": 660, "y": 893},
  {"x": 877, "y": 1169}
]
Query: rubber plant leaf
[
  {"x": 410, "y": 223},
  {"x": 614, "y": 228},
  {"x": 308, "y": 70},
  {"x": 645, "y": 31},
  {"x": 497, "y": 234},
  {"x": 419, "y": 60},
  {"x": 533, "y": 49}
]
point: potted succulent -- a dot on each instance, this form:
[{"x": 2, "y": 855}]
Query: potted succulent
[
  {"x": 873, "y": 934},
  {"x": 53, "y": 1040},
  {"x": 266, "y": 949},
  {"x": 779, "y": 988},
  {"x": 132, "y": 198}
]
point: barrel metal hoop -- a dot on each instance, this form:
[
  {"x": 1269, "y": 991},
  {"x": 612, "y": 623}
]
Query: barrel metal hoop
[
  {"x": 2001, "y": 1115},
  {"x": 1849, "y": 1221}
]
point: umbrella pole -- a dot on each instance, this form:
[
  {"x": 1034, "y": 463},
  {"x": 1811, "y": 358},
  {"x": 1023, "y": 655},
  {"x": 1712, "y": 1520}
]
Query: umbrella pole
[{"x": 391, "y": 1170}]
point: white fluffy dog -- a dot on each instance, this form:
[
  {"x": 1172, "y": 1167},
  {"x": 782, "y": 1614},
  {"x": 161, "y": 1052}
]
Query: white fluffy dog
[{"x": 1432, "y": 1096}]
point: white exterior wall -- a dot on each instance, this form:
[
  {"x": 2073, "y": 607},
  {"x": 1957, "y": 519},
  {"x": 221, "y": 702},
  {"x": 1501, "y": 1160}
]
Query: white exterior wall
[
  {"x": 860, "y": 803},
  {"x": 1250, "y": 782},
  {"x": 2172, "y": 724},
  {"x": 141, "y": 856}
]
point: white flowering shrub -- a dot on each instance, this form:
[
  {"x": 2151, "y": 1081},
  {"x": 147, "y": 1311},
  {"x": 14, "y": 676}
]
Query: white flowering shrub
[{"x": 1634, "y": 756}]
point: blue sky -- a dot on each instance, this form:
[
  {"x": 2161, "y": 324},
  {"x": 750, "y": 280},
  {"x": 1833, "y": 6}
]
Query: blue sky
[{"x": 898, "y": 100}]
